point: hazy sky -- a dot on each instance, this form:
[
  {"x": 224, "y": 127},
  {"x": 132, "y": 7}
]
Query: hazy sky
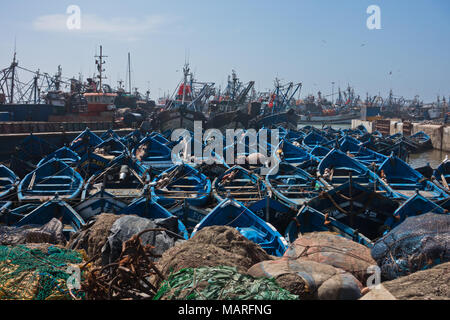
[{"x": 311, "y": 41}]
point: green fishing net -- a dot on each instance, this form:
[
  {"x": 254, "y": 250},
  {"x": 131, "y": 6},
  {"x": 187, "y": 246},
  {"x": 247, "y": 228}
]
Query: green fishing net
[
  {"x": 28, "y": 273},
  {"x": 219, "y": 283}
]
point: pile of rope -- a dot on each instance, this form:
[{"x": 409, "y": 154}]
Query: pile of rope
[{"x": 129, "y": 277}]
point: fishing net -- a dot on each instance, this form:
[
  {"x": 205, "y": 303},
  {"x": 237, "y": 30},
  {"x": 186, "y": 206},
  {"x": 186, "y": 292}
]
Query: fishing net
[
  {"x": 334, "y": 250},
  {"x": 309, "y": 280},
  {"x": 418, "y": 243},
  {"x": 36, "y": 272},
  {"x": 219, "y": 283}
]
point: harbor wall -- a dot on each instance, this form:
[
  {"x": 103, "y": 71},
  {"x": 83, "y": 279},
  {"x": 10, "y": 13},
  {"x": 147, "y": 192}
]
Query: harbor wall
[
  {"x": 439, "y": 134},
  {"x": 57, "y": 138}
]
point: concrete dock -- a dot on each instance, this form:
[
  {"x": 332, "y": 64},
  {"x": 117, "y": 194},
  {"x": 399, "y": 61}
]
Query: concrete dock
[{"x": 439, "y": 134}]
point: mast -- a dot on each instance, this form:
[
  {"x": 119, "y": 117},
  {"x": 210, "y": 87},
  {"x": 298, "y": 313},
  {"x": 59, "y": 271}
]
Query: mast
[
  {"x": 13, "y": 74},
  {"x": 100, "y": 69},
  {"x": 129, "y": 71},
  {"x": 185, "y": 76}
]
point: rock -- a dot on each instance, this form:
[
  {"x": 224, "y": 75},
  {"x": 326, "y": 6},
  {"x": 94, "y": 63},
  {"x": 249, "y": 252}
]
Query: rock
[{"x": 432, "y": 284}]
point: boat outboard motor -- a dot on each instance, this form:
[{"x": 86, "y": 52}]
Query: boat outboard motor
[{"x": 124, "y": 170}]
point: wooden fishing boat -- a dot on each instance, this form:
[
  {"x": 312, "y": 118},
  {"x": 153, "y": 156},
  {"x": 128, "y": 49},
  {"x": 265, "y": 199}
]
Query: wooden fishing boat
[
  {"x": 92, "y": 163},
  {"x": 125, "y": 178},
  {"x": 178, "y": 118},
  {"x": 414, "y": 206},
  {"x": 109, "y": 134},
  {"x": 354, "y": 149},
  {"x": 132, "y": 139},
  {"x": 181, "y": 183},
  {"x": 422, "y": 140},
  {"x": 442, "y": 174},
  {"x": 248, "y": 152},
  {"x": 53, "y": 177},
  {"x": 147, "y": 208},
  {"x": 404, "y": 180},
  {"x": 28, "y": 153},
  {"x": 33, "y": 149},
  {"x": 310, "y": 220},
  {"x": 58, "y": 209},
  {"x": 290, "y": 153},
  {"x": 98, "y": 203},
  {"x": 111, "y": 147},
  {"x": 4, "y": 210},
  {"x": 319, "y": 152},
  {"x": 314, "y": 139},
  {"x": 273, "y": 211},
  {"x": 288, "y": 120},
  {"x": 239, "y": 184},
  {"x": 295, "y": 136},
  {"x": 292, "y": 186},
  {"x": 357, "y": 207},
  {"x": 66, "y": 155},
  {"x": 338, "y": 168},
  {"x": 152, "y": 153},
  {"x": 11, "y": 216},
  {"x": 234, "y": 214},
  {"x": 85, "y": 141},
  {"x": 8, "y": 182}
]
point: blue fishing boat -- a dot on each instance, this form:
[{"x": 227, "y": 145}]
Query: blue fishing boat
[
  {"x": 71, "y": 158},
  {"x": 404, "y": 180},
  {"x": 147, "y": 208},
  {"x": 109, "y": 134},
  {"x": 239, "y": 184},
  {"x": 314, "y": 139},
  {"x": 189, "y": 215},
  {"x": 295, "y": 136},
  {"x": 354, "y": 149},
  {"x": 291, "y": 153},
  {"x": 85, "y": 141},
  {"x": 111, "y": 147},
  {"x": 414, "y": 206},
  {"x": 33, "y": 149},
  {"x": 4, "y": 210},
  {"x": 124, "y": 177},
  {"x": 132, "y": 139},
  {"x": 11, "y": 216},
  {"x": 338, "y": 168},
  {"x": 28, "y": 153},
  {"x": 358, "y": 207},
  {"x": 53, "y": 177},
  {"x": 181, "y": 183},
  {"x": 292, "y": 186},
  {"x": 273, "y": 211},
  {"x": 422, "y": 140},
  {"x": 153, "y": 153},
  {"x": 8, "y": 182},
  {"x": 92, "y": 163},
  {"x": 98, "y": 203},
  {"x": 310, "y": 220},
  {"x": 319, "y": 152},
  {"x": 234, "y": 214},
  {"x": 442, "y": 174},
  {"x": 58, "y": 209}
]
